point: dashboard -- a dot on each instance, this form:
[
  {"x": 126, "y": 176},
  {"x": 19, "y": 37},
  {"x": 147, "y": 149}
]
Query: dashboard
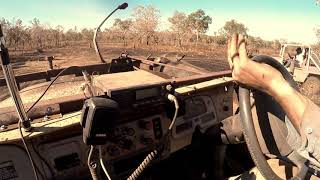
[
  {"x": 202, "y": 110},
  {"x": 61, "y": 153}
]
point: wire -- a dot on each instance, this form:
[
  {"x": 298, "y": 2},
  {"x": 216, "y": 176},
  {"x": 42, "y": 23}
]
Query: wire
[
  {"x": 28, "y": 152},
  {"x": 92, "y": 165},
  {"x": 143, "y": 165},
  {"x": 173, "y": 99},
  {"x": 102, "y": 164},
  {"x": 51, "y": 83},
  {"x": 43, "y": 160},
  {"x": 151, "y": 156}
]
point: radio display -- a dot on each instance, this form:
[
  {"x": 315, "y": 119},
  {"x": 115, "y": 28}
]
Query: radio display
[{"x": 147, "y": 93}]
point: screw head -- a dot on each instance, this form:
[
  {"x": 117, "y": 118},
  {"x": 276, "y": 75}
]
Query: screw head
[
  {"x": 309, "y": 130},
  {"x": 3, "y": 127},
  {"x": 46, "y": 118},
  {"x": 169, "y": 87}
]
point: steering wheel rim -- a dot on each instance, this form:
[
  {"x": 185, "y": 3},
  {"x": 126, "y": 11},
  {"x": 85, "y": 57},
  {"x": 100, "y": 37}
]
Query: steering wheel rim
[{"x": 247, "y": 120}]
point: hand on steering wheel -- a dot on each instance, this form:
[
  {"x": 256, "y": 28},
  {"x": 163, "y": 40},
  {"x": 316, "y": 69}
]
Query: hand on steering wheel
[
  {"x": 265, "y": 75},
  {"x": 247, "y": 72}
]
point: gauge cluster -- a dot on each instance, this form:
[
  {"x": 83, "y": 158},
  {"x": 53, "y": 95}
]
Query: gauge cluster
[{"x": 202, "y": 110}]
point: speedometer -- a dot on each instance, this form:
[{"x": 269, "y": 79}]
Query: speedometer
[{"x": 195, "y": 106}]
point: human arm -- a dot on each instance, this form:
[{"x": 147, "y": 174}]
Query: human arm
[
  {"x": 265, "y": 78},
  {"x": 302, "y": 113}
]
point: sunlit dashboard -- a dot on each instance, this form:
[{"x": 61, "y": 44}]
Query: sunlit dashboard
[
  {"x": 143, "y": 128},
  {"x": 199, "y": 112},
  {"x": 202, "y": 110}
]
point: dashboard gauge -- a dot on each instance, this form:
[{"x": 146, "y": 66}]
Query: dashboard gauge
[{"x": 195, "y": 106}]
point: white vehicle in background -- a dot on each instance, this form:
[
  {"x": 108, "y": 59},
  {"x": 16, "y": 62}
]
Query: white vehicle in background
[{"x": 304, "y": 66}]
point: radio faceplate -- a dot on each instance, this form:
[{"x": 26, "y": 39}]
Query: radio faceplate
[{"x": 138, "y": 97}]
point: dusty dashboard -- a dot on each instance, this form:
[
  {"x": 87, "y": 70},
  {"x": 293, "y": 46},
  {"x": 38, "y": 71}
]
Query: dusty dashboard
[
  {"x": 60, "y": 152},
  {"x": 204, "y": 108}
]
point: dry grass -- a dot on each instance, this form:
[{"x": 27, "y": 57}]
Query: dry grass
[{"x": 81, "y": 54}]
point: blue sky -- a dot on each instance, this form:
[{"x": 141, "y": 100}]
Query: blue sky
[{"x": 294, "y": 20}]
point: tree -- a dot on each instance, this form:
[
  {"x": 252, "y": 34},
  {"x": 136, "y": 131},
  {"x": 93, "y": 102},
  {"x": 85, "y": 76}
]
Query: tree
[
  {"x": 146, "y": 21},
  {"x": 179, "y": 25},
  {"x": 36, "y": 32},
  {"x": 14, "y": 32},
  {"x": 276, "y": 44},
  {"x": 220, "y": 40},
  {"x": 73, "y": 35},
  {"x": 59, "y": 35},
  {"x": 256, "y": 42},
  {"x": 198, "y": 22},
  {"x": 87, "y": 35},
  {"x": 317, "y": 31},
  {"x": 5, "y": 24},
  {"x": 123, "y": 27},
  {"x": 232, "y": 27}
]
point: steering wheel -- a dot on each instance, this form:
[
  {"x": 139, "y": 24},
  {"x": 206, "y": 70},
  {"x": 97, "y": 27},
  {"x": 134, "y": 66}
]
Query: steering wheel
[{"x": 249, "y": 129}]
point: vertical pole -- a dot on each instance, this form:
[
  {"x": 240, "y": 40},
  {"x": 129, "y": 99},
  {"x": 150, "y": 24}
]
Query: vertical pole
[
  {"x": 12, "y": 84},
  {"x": 50, "y": 59}
]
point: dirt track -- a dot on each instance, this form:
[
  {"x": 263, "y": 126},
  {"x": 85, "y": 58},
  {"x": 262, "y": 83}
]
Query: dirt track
[{"x": 32, "y": 61}]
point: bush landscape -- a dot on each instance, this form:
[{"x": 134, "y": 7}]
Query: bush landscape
[{"x": 30, "y": 42}]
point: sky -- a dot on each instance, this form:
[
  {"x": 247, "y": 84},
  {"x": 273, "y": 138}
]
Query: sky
[{"x": 293, "y": 20}]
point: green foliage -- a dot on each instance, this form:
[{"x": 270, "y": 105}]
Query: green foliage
[
  {"x": 195, "y": 23},
  {"x": 232, "y": 27},
  {"x": 122, "y": 28},
  {"x": 179, "y": 22},
  {"x": 198, "y": 21},
  {"x": 124, "y": 25}
]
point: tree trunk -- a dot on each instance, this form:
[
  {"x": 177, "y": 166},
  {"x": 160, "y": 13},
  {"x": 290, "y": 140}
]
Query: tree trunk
[
  {"x": 180, "y": 41},
  {"x": 197, "y": 33}
]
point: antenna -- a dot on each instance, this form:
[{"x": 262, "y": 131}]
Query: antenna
[{"x": 96, "y": 47}]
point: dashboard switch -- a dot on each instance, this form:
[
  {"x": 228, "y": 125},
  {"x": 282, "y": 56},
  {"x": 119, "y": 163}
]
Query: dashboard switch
[{"x": 157, "y": 129}]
